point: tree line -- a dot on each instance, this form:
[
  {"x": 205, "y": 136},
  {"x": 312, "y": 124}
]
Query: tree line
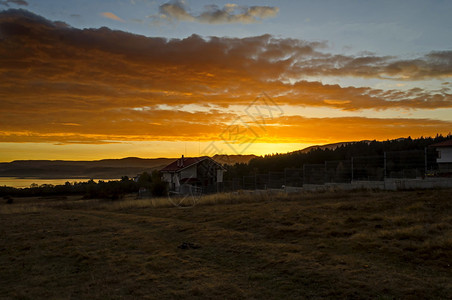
[{"x": 278, "y": 162}]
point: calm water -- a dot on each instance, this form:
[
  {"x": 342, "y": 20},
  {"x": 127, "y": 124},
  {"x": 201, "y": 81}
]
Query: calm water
[{"x": 26, "y": 182}]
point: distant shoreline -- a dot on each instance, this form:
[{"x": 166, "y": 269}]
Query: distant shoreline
[{"x": 17, "y": 182}]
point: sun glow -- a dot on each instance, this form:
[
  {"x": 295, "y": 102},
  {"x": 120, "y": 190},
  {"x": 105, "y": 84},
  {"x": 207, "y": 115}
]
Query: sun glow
[{"x": 99, "y": 93}]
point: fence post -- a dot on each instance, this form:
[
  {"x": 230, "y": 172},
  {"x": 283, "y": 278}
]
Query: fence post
[
  {"x": 352, "y": 170},
  {"x": 384, "y": 165},
  {"x": 285, "y": 176},
  {"x": 304, "y": 174},
  {"x": 325, "y": 175},
  {"x": 255, "y": 181},
  {"x": 425, "y": 162}
]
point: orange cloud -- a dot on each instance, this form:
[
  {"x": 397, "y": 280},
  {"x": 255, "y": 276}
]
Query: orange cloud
[
  {"x": 326, "y": 130},
  {"x": 171, "y": 125},
  {"x": 111, "y": 16},
  {"x": 62, "y": 84},
  {"x": 56, "y": 61}
]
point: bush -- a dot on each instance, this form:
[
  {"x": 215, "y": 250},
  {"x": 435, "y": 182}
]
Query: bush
[
  {"x": 159, "y": 189},
  {"x": 8, "y": 199}
]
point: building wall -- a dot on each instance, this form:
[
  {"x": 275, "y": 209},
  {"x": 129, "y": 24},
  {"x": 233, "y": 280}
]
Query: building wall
[
  {"x": 167, "y": 177},
  {"x": 189, "y": 172},
  {"x": 445, "y": 168},
  {"x": 207, "y": 176},
  {"x": 220, "y": 173},
  {"x": 446, "y": 155}
]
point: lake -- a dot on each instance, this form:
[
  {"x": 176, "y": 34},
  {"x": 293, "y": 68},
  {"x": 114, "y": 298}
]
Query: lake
[{"x": 26, "y": 182}]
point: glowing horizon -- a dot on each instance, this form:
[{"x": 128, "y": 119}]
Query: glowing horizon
[{"x": 104, "y": 89}]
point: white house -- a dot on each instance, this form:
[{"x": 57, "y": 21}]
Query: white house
[
  {"x": 444, "y": 156},
  {"x": 188, "y": 174}
]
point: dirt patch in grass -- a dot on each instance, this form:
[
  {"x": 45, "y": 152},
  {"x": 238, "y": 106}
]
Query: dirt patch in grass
[{"x": 358, "y": 245}]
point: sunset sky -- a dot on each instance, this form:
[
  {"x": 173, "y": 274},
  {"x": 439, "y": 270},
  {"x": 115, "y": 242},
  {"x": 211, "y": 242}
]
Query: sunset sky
[{"x": 82, "y": 80}]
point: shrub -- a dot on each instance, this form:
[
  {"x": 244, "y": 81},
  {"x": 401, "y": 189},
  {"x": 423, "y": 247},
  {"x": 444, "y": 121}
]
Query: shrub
[
  {"x": 159, "y": 189},
  {"x": 8, "y": 199}
]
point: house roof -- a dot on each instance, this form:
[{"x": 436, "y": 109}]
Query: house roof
[
  {"x": 177, "y": 166},
  {"x": 447, "y": 143}
]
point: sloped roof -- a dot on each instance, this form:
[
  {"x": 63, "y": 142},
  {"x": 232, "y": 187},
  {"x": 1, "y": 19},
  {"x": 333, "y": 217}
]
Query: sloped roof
[
  {"x": 447, "y": 143},
  {"x": 176, "y": 165}
]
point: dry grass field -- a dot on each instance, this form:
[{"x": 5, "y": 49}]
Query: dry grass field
[{"x": 378, "y": 245}]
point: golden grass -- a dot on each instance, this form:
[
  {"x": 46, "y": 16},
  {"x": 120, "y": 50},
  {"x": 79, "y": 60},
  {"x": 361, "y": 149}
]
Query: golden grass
[
  {"x": 190, "y": 201},
  {"x": 381, "y": 245}
]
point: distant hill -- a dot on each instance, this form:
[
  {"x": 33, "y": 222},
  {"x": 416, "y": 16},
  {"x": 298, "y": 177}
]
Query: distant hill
[
  {"x": 233, "y": 159},
  {"x": 329, "y": 146},
  {"x": 105, "y": 168}
]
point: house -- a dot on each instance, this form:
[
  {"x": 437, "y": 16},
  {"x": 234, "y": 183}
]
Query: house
[
  {"x": 444, "y": 156},
  {"x": 189, "y": 175}
]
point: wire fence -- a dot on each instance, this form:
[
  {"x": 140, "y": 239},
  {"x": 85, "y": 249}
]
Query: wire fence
[
  {"x": 394, "y": 164},
  {"x": 406, "y": 164},
  {"x": 339, "y": 171},
  {"x": 261, "y": 181},
  {"x": 293, "y": 177},
  {"x": 368, "y": 168},
  {"x": 313, "y": 174},
  {"x": 276, "y": 180}
]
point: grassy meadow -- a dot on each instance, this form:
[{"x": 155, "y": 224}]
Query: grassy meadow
[{"x": 362, "y": 244}]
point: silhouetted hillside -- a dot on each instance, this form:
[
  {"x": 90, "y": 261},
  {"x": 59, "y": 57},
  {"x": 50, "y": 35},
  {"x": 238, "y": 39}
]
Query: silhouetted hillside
[
  {"x": 328, "y": 146},
  {"x": 233, "y": 159},
  {"x": 331, "y": 152},
  {"x": 105, "y": 168}
]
